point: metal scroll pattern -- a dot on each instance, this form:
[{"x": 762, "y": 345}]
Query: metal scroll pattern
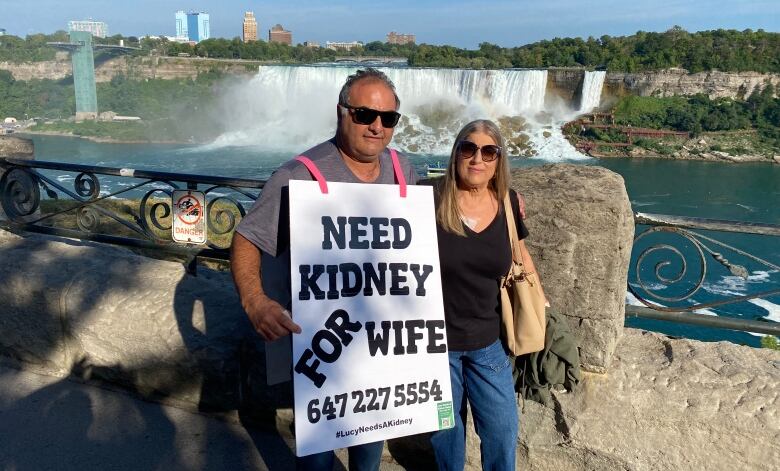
[
  {"x": 679, "y": 266},
  {"x": 20, "y": 197}
]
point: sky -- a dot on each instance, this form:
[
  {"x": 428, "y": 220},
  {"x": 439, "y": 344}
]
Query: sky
[{"x": 455, "y": 22}]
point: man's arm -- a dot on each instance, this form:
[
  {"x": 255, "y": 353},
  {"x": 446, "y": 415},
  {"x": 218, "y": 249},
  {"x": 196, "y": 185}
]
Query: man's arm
[{"x": 268, "y": 317}]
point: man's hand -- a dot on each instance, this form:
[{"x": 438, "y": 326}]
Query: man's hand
[{"x": 269, "y": 318}]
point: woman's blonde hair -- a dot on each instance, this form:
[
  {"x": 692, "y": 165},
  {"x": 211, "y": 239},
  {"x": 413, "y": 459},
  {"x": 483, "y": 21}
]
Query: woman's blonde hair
[{"x": 447, "y": 214}]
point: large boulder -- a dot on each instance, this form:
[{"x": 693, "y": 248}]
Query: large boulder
[
  {"x": 581, "y": 233},
  {"x": 665, "y": 404}
]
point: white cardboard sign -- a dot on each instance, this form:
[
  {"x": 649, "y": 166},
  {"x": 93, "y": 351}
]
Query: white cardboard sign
[
  {"x": 371, "y": 362},
  {"x": 189, "y": 217}
]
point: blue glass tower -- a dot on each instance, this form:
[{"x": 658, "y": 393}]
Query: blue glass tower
[{"x": 198, "y": 26}]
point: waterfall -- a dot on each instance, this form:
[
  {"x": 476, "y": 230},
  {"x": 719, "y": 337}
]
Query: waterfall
[
  {"x": 289, "y": 108},
  {"x": 591, "y": 90}
]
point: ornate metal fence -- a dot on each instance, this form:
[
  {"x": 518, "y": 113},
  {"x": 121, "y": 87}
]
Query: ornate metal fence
[
  {"x": 667, "y": 274},
  {"x": 136, "y": 211}
]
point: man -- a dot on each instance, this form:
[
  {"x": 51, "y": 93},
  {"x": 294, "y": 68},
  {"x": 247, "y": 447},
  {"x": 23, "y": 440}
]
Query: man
[{"x": 367, "y": 112}]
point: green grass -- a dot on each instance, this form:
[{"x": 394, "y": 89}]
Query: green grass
[{"x": 771, "y": 342}]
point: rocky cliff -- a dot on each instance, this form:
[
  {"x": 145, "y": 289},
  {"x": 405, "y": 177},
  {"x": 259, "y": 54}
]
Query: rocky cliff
[
  {"x": 138, "y": 68},
  {"x": 679, "y": 82}
]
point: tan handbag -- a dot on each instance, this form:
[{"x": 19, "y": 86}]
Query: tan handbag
[{"x": 522, "y": 300}]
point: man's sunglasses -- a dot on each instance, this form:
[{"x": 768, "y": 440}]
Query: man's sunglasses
[
  {"x": 468, "y": 149},
  {"x": 366, "y": 116}
]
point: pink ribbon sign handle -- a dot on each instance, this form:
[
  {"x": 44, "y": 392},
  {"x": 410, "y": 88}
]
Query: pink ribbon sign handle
[
  {"x": 399, "y": 174},
  {"x": 315, "y": 172}
]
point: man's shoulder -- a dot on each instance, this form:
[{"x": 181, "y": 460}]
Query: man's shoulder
[
  {"x": 323, "y": 151},
  {"x": 293, "y": 169}
]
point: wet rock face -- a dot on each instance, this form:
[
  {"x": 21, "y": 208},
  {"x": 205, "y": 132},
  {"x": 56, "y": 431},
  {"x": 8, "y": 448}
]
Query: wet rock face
[
  {"x": 564, "y": 84},
  {"x": 582, "y": 230}
]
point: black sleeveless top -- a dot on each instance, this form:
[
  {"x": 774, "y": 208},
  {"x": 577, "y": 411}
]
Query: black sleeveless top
[{"x": 471, "y": 267}]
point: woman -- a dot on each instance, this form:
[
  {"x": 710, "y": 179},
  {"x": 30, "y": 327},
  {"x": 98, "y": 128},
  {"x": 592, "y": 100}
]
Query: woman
[{"x": 474, "y": 253}]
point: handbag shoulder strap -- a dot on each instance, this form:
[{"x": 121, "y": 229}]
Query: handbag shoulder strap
[{"x": 511, "y": 228}]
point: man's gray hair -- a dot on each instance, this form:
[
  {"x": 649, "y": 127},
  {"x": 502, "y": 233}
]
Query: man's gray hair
[{"x": 369, "y": 73}]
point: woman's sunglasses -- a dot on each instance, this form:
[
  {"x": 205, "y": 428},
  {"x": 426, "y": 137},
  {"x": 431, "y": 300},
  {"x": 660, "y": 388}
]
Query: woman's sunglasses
[
  {"x": 489, "y": 152},
  {"x": 366, "y": 116}
]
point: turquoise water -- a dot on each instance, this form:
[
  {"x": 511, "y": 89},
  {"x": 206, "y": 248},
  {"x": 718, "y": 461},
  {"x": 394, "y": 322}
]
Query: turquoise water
[{"x": 744, "y": 192}]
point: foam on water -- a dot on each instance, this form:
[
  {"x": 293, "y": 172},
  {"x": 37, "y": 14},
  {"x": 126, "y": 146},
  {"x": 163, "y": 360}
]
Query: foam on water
[
  {"x": 772, "y": 309},
  {"x": 736, "y": 285}
]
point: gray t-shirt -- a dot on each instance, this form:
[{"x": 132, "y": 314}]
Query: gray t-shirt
[{"x": 267, "y": 225}]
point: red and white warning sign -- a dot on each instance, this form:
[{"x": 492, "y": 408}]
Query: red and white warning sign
[{"x": 189, "y": 216}]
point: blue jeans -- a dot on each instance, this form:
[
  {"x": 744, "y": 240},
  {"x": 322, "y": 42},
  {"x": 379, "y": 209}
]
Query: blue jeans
[
  {"x": 483, "y": 378},
  {"x": 364, "y": 457}
]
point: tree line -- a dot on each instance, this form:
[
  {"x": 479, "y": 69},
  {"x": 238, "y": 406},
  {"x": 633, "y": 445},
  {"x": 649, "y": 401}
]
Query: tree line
[{"x": 725, "y": 50}]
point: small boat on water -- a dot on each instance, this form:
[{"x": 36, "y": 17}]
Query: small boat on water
[{"x": 437, "y": 170}]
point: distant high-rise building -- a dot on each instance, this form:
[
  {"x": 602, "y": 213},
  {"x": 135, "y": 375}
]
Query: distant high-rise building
[
  {"x": 97, "y": 28},
  {"x": 198, "y": 28},
  {"x": 250, "y": 27},
  {"x": 181, "y": 25},
  {"x": 343, "y": 46},
  {"x": 278, "y": 34},
  {"x": 396, "y": 38}
]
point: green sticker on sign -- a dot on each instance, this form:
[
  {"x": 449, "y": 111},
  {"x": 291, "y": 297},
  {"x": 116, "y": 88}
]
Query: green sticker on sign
[{"x": 446, "y": 418}]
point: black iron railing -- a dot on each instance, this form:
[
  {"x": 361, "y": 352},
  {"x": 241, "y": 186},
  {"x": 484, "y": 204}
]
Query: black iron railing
[
  {"x": 682, "y": 259},
  {"x": 137, "y": 214}
]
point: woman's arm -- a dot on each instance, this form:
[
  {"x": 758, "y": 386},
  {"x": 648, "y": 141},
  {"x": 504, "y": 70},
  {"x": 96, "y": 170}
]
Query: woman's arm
[{"x": 531, "y": 268}]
